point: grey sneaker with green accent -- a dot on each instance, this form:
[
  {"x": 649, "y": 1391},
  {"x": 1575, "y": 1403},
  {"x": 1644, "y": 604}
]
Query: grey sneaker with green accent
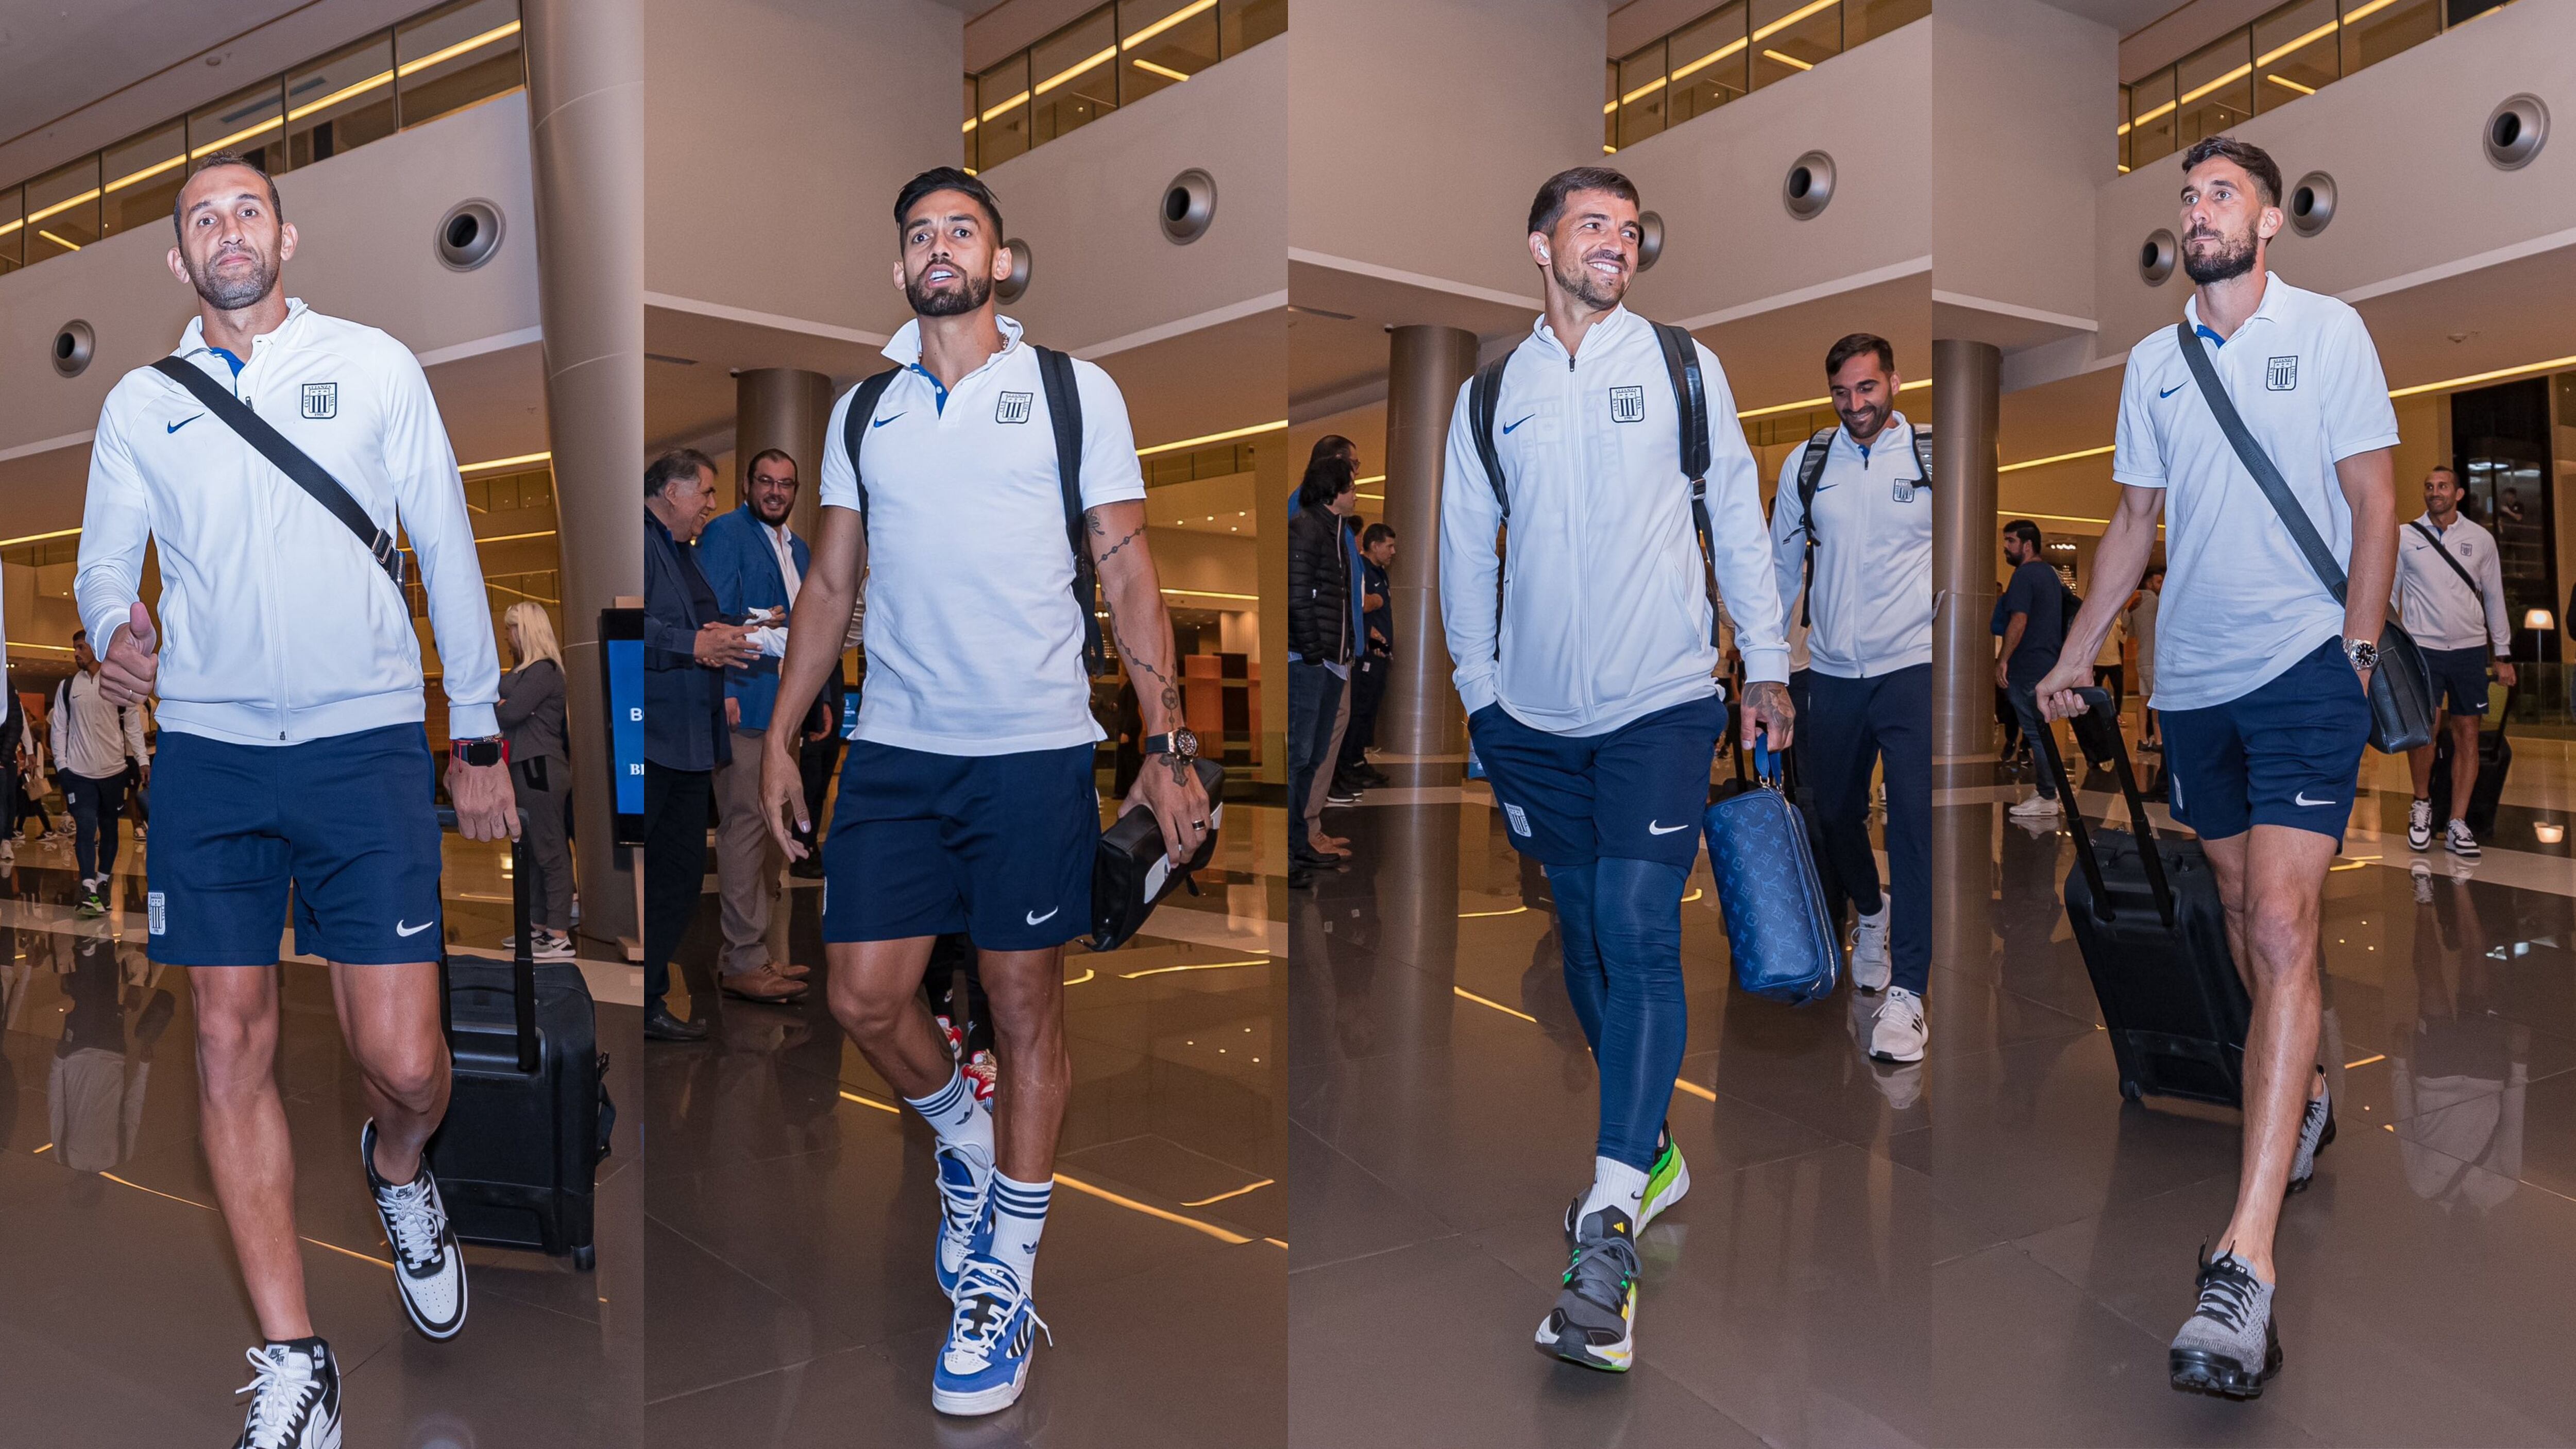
[{"x": 1594, "y": 1322}]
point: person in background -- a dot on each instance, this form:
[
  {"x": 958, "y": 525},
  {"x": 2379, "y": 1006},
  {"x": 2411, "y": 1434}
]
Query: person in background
[
  {"x": 687, "y": 647},
  {"x": 34, "y": 771},
  {"x": 1334, "y": 445},
  {"x": 2031, "y": 617},
  {"x": 1319, "y": 649},
  {"x": 1376, "y": 658},
  {"x": 138, "y": 774},
  {"x": 94, "y": 742},
  {"x": 2142, "y": 629},
  {"x": 531, "y": 712},
  {"x": 2109, "y": 660},
  {"x": 2450, "y": 592}
]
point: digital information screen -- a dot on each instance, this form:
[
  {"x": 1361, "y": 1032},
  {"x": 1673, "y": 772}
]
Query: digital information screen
[{"x": 621, "y": 636}]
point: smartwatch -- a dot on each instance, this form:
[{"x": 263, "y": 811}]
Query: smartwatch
[
  {"x": 2364, "y": 653},
  {"x": 492, "y": 750},
  {"x": 1181, "y": 742}
]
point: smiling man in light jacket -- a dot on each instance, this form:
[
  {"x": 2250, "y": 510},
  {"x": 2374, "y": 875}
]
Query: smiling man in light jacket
[
  {"x": 292, "y": 747},
  {"x": 1590, "y": 685}
]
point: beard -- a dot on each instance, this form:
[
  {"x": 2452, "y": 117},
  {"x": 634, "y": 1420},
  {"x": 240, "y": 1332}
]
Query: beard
[
  {"x": 1580, "y": 282},
  {"x": 971, "y": 292},
  {"x": 764, "y": 512},
  {"x": 240, "y": 290},
  {"x": 1866, "y": 422},
  {"x": 2234, "y": 257}
]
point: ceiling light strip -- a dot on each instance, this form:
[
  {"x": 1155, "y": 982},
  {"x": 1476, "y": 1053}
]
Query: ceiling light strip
[
  {"x": 2554, "y": 364},
  {"x": 2320, "y": 33},
  {"x": 1227, "y": 436},
  {"x": 1813, "y": 403},
  {"x": 1793, "y": 17},
  {"x": 1790, "y": 61},
  {"x": 497, "y": 32},
  {"x": 1087, "y": 63},
  {"x": 520, "y": 461},
  {"x": 1166, "y": 23},
  {"x": 1712, "y": 58},
  {"x": 1165, "y": 71},
  {"x": 2237, "y": 74},
  {"x": 2055, "y": 458}
]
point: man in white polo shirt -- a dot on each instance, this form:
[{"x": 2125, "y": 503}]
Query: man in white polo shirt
[
  {"x": 1869, "y": 662},
  {"x": 2450, "y": 592},
  {"x": 2261, "y": 678},
  {"x": 93, "y": 740},
  {"x": 967, "y": 801},
  {"x": 292, "y": 748}
]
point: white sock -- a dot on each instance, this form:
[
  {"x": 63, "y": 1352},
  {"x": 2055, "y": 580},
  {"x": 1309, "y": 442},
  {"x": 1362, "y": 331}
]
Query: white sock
[
  {"x": 1614, "y": 1184},
  {"x": 953, "y": 1114},
  {"x": 1019, "y": 1215}
]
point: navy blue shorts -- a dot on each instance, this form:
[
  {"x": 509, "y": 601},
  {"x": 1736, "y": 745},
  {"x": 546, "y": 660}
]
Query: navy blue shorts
[
  {"x": 2286, "y": 754},
  {"x": 2460, "y": 674},
  {"x": 350, "y": 822},
  {"x": 1638, "y": 792},
  {"x": 998, "y": 846}
]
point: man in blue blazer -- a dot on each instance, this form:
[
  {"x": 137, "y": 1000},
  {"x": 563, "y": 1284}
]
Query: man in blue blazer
[{"x": 755, "y": 563}]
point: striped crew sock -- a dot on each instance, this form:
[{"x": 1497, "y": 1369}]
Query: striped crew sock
[
  {"x": 954, "y": 1115},
  {"x": 1019, "y": 1215}
]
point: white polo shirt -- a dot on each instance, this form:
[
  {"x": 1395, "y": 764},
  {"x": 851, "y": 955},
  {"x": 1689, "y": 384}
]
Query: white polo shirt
[
  {"x": 974, "y": 641},
  {"x": 2438, "y": 607},
  {"x": 1871, "y": 601},
  {"x": 2241, "y": 603}
]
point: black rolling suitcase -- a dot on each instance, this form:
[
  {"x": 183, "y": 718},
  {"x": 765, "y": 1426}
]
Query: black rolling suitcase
[
  {"x": 2495, "y": 758},
  {"x": 2154, "y": 939},
  {"x": 529, "y": 1118}
]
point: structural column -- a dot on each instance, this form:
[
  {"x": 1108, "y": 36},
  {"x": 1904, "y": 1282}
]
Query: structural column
[
  {"x": 1963, "y": 547},
  {"x": 586, "y": 142},
  {"x": 1425, "y": 367}
]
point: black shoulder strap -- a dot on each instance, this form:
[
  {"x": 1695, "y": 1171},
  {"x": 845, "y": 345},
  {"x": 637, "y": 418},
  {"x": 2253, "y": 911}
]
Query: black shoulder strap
[
  {"x": 1064, "y": 410},
  {"x": 1483, "y": 396},
  {"x": 1922, "y": 456},
  {"x": 2435, "y": 539},
  {"x": 1690, "y": 399},
  {"x": 854, "y": 431},
  {"x": 289, "y": 459},
  {"x": 2303, "y": 530},
  {"x": 1811, "y": 467}
]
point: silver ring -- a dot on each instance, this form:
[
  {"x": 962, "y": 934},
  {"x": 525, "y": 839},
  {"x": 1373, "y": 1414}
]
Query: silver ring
[{"x": 1198, "y": 824}]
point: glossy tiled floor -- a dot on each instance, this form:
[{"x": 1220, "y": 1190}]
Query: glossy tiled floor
[
  {"x": 126, "y": 1320},
  {"x": 1988, "y": 1249},
  {"x": 791, "y": 1206}
]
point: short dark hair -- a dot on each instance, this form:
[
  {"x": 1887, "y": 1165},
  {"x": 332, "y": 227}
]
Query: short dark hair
[
  {"x": 764, "y": 455},
  {"x": 79, "y": 634},
  {"x": 1549, "y": 204},
  {"x": 1856, "y": 344},
  {"x": 947, "y": 178},
  {"x": 1377, "y": 533},
  {"x": 2023, "y": 529},
  {"x": 276, "y": 208},
  {"x": 673, "y": 466},
  {"x": 2155, "y": 569},
  {"x": 1332, "y": 444},
  {"x": 1327, "y": 478},
  {"x": 2258, "y": 163}
]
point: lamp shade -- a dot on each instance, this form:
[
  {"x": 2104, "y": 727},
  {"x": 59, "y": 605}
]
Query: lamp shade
[{"x": 2539, "y": 619}]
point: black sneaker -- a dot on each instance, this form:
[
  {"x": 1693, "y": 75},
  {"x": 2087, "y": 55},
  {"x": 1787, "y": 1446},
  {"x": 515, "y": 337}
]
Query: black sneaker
[
  {"x": 429, "y": 1268},
  {"x": 2316, "y": 1129},
  {"x": 1341, "y": 794},
  {"x": 2227, "y": 1347},
  {"x": 295, "y": 1397}
]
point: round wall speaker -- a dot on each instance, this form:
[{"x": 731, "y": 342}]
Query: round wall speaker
[
  {"x": 2515, "y": 131},
  {"x": 1016, "y": 285},
  {"x": 1189, "y": 204},
  {"x": 2156, "y": 258},
  {"x": 2311, "y": 203},
  {"x": 1809, "y": 185},
  {"x": 74, "y": 344},
  {"x": 1650, "y": 239},
  {"x": 468, "y": 235}
]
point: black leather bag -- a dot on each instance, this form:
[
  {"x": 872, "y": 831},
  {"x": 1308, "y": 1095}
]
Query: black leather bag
[
  {"x": 2401, "y": 688},
  {"x": 1131, "y": 873}
]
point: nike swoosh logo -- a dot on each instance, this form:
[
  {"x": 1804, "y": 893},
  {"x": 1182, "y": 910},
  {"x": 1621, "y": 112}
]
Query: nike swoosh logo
[
  {"x": 1037, "y": 920},
  {"x": 2169, "y": 392},
  {"x": 2301, "y": 798},
  {"x": 881, "y": 422},
  {"x": 1821, "y": 487},
  {"x": 402, "y": 930},
  {"x": 1653, "y": 829},
  {"x": 183, "y": 422},
  {"x": 1507, "y": 427}
]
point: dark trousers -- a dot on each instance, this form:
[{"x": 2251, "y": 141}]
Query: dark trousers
[
  {"x": 815, "y": 762},
  {"x": 1849, "y": 726},
  {"x": 2109, "y": 677},
  {"x": 1314, "y": 698},
  {"x": 1368, "y": 688},
  {"x": 2025, "y": 703},
  {"x": 675, "y": 865},
  {"x": 96, "y": 806}
]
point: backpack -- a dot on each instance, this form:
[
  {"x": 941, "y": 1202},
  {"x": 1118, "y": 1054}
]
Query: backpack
[
  {"x": 1064, "y": 410},
  {"x": 1811, "y": 467},
  {"x": 1690, "y": 397}
]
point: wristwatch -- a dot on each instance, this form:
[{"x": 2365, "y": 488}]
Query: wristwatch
[
  {"x": 1182, "y": 742},
  {"x": 490, "y": 750},
  {"x": 2364, "y": 653}
]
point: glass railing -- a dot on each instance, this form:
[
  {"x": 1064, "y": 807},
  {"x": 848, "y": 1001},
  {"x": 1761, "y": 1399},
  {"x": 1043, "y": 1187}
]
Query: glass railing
[
  {"x": 1114, "y": 56},
  {"x": 434, "y": 64},
  {"x": 1731, "y": 52},
  {"x": 2292, "y": 52}
]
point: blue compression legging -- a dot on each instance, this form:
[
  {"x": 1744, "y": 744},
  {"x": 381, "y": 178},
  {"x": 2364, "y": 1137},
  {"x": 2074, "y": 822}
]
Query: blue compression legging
[{"x": 1620, "y": 924}]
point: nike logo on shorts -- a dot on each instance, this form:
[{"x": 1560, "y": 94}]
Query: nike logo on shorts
[
  {"x": 402, "y": 930},
  {"x": 2301, "y": 798},
  {"x": 1035, "y": 919},
  {"x": 1654, "y": 829}
]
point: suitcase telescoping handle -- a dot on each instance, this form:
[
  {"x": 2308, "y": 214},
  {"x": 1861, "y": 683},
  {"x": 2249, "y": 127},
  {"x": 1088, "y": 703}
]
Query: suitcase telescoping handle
[
  {"x": 2103, "y": 729},
  {"x": 523, "y": 961}
]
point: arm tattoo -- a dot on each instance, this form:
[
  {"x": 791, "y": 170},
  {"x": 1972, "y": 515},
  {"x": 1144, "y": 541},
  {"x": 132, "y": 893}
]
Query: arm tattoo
[{"x": 1112, "y": 552}]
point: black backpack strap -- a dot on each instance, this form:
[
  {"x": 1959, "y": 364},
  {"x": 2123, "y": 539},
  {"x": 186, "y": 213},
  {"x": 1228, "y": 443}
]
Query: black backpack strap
[
  {"x": 1484, "y": 395},
  {"x": 1811, "y": 468},
  {"x": 1690, "y": 400},
  {"x": 290, "y": 460},
  {"x": 2294, "y": 518},
  {"x": 854, "y": 431},
  {"x": 1064, "y": 410},
  {"x": 2435, "y": 539},
  {"x": 1922, "y": 456}
]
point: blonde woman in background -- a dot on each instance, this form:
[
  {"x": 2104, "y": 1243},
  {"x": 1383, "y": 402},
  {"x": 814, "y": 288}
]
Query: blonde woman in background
[{"x": 531, "y": 712}]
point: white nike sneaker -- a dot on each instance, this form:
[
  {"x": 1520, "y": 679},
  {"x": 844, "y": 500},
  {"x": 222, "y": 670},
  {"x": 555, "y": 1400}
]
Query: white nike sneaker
[
  {"x": 1869, "y": 965},
  {"x": 429, "y": 1266},
  {"x": 2419, "y": 825},
  {"x": 1898, "y": 1032},
  {"x": 2037, "y": 807},
  {"x": 2457, "y": 839}
]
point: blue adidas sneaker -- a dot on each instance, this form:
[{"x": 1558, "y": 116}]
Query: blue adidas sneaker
[
  {"x": 965, "y": 1211},
  {"x": 991, "y": 1336}
]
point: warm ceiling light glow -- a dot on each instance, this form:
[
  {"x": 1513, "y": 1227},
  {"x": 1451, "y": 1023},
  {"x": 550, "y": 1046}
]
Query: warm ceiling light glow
[
  {"x": 1166, "y": 23},
  {"x": 1213, "y": 594},
  {"x": 1164, "y": 71},
  {"x": 2552, "y": 365},
  {"x": 1006, "y": 105},
  {"x": 1813, "y": 403},
  {"x": 2055, "y": 458},
  {"x": 497, "y": 32},
  {"x": 2320, "y": 33},
  {"x": 146, "y": 174},
  {"x": 58, "y": 241},
  {"x": 2365, "y": 11},
  {"x": 1649, "y": 88},
  {"x": 1712, "y": 58},
  {"x": 2282, "y": 80},
  {"x": 39, "y": 537},
  {"x": 1097, "y": 57},
  {"x": 1226, "y": 436},
  {"x": 41, "y": 213},
  {"x": 970, "y": 123},
  {"x": 343, "y": 93},
  {"x": 2151, "y": 115},
  {"x": 2547, "y": 832},
  {"x": 519, "y": 461},
  {"x": 1793, "y": 17},
  {"x": 2197, "y": 92},
  {"x": 1788, "y": 60},
  {"x": 1496, "y": 1005}
]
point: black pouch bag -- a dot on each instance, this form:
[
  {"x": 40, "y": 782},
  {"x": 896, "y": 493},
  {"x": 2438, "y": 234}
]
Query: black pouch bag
[{"x": 1131, "y": 874}]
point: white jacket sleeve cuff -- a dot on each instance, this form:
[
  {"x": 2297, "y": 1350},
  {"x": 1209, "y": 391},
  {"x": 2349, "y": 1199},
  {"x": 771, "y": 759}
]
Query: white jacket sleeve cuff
[
  {"x": 1766, "y": 666},
  {"x": 472, "y": 722}
]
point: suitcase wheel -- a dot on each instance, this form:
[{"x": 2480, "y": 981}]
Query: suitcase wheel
[
  {"x": 586, "y": 1257},
  {"x": 2128, "y": 1090}
]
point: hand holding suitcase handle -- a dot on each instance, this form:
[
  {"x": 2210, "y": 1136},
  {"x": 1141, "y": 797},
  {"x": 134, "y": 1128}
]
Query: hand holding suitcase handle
[
  {"x": 523, "y": 961},
  {"x": 2096, "y": 716}
]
